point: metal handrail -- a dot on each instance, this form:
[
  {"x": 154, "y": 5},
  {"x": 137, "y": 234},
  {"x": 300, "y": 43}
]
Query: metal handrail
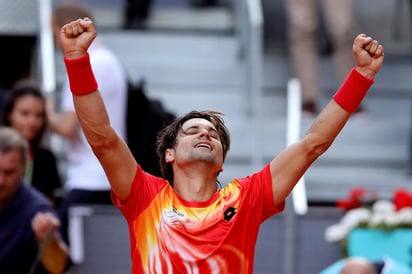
[
  {"x": 294, "y": 114},
  {"x": 46, "y": 52},
  {"x": 249, "y": 28}
]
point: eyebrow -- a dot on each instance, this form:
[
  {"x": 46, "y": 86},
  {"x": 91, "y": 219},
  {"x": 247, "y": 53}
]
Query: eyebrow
[{"x": 196, "y": 126}]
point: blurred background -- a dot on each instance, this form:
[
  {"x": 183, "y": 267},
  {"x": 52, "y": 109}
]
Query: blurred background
[{"x": 233, "y": 56}]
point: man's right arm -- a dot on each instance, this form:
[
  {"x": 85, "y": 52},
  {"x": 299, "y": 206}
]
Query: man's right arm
[{"x": 112, "y": 152}]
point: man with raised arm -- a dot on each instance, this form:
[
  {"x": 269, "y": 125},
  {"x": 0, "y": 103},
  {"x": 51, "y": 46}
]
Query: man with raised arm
[{"x": 185, "y": 222}]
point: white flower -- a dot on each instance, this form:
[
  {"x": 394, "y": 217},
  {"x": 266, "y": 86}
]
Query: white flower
[
  {"x": 391, "y": 219},
  {"x": 388, "y": 219},
  {"x": 350, "y": 220},
  {"x": 336, "y": 233},
  {"x": 382, "y": 215},
  {"x": 383, "y": 207},
  {"x": 404, "y": 216},
  {"x": 354, "y": 217}
]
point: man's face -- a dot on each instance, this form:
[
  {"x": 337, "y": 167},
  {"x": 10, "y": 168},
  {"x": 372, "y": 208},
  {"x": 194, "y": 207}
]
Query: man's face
[
  {"x": 197, "y": 141},
  {"x": 12, "y": 170}
]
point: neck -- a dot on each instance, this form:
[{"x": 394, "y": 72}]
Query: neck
[{"x": 195, "y": 185}]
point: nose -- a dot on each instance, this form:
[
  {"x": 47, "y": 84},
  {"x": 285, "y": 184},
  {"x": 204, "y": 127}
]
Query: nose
[
  {"x": 34, "y": 119},
  {"x": 205, "y": 132}
]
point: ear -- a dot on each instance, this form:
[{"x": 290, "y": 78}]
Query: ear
[
  {"x": 169, "y": 155},
  {"x": 219, "y": 171}
]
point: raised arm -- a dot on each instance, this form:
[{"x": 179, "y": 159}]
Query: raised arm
[
  {"x": 293, "y": 161},
  {"x": 109, "y": 148}
]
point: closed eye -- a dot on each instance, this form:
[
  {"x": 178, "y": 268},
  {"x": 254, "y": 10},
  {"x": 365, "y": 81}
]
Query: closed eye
[{"x": 194, "y": 130}]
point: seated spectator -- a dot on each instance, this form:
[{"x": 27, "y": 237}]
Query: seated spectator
[
  {"x": 24, "y": 110},
  {"x": 29, "y": 237},
  {"x": 360, "y": 265}
]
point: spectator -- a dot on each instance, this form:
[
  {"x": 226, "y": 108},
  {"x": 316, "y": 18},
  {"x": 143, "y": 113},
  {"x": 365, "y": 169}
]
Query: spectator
[
  {"x": 358, "y": 265},
  {"x": 24, "y": 110},
  {"x": 137, "y": 13},
  {"x": 361, "y": 265},
  {"x": 86, "y": 182},
  {"x": 29, "y": 238},
  {"x": 302, "y": 30}
]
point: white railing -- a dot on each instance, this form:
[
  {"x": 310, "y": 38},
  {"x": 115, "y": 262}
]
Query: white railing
[
  {"x": 46, "y": 48},
  {"x": 299, "y": 197},
  {"x": 293, "y": 132},
  {"x": 249, "y": 28},
  {"x": 76, "y": 232}
]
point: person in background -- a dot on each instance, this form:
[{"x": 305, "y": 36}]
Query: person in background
[
  {"x": 136, "y": 14},
  {"x": 363, "y": 265},
  {"x": 86, "y": 182},
  {"x": 358, "y": 265},
  {"x": 303, "y": 44},
  {"x": 25, "y": 110},
  {"x": 185, "y": 222},
  {"x": 29, "y": 236}
]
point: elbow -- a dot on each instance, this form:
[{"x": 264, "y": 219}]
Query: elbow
[
  {"x": 316, "y": 146},
  {"x": 100, "y": 143}
]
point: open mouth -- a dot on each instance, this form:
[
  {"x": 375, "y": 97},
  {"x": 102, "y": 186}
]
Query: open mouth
[{"x": 204, "y": 145}]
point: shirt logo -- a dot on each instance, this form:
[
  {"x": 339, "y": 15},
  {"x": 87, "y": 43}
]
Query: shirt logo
[{"x": 229, "y": 213}]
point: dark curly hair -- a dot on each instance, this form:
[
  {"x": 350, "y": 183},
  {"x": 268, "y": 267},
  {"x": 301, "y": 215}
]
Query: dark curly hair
[{"x": 167, "y": 137}]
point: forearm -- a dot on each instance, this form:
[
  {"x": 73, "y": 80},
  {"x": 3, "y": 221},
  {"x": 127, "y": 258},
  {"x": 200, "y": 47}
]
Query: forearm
[
  {"x": 88, "y": 102},
  {"x": 334, "y": 116},
  {"x": 93, "y": 118},
  {"x": 55, "y": 255},
  {"x": 325, "y": 129}
]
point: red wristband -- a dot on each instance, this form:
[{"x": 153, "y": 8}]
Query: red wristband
[
  {"x": 353, "y": 90},
  {"x": 81, "y": 77}
]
